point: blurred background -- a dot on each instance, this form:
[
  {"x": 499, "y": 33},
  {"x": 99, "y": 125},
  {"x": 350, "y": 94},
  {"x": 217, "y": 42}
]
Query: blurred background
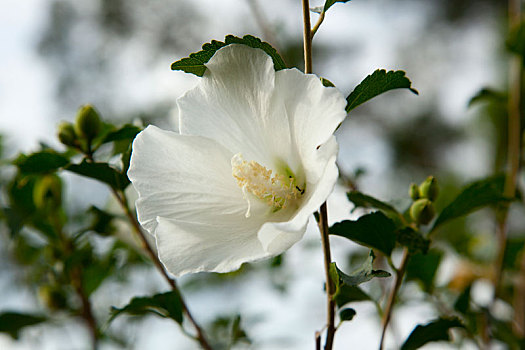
[{"x": 56, "y": 55}]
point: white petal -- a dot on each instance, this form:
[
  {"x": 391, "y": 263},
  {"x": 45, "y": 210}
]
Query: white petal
[
  {"x": 186, "y": 247},
  {"x": 234, "y": 105},
  {"x": 276, "y": 237},
  {"x": 314, "y": 111},
  {"x": 184, "y": 177}
]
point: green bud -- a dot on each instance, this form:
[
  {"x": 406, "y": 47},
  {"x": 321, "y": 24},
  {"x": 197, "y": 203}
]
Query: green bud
[
  {"x": 429, "y": 188},
  {"x": 413, "y": 191},
  {"x": 47, "y": 192},
  {"x": 422, "y": 211},
  {"x": 51, "y": 297},
  {"x": 87, "y": 123},
  {"x": 66, "y": 134}
]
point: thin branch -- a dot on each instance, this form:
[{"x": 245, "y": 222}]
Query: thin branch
[
  {"x": 400, "y": 273},
  {"x": 307, "y": 38},
  {"x": 318, "y": 24},
  {"x": 120, "y": 196}
]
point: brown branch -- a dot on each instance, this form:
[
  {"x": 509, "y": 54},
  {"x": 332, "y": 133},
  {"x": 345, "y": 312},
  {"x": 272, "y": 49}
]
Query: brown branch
[
  {"x": 153, "y": 256},
  {"x": 400, "y": 273}
]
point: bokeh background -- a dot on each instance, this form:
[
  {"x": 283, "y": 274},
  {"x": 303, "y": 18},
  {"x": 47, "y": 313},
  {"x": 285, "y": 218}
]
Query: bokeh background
[{"x": 56, "y": 55}]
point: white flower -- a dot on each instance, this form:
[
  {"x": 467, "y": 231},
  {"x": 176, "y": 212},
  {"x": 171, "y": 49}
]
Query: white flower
[{"x": 254, "y": 158}]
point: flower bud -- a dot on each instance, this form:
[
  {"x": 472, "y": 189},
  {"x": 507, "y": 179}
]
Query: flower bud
[
  {"x": 66, "y": 134},
  {"x": 422, "y": 211},
  {"x": 47, "y": 192},
  {"x": 429, "y": 188},
  {"x": 87, "y": 123},
  {"x": 413, "y": 191}
]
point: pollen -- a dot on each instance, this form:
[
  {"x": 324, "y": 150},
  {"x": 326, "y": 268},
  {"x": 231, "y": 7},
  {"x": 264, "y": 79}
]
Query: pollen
[{"x": 276, "y": 190}]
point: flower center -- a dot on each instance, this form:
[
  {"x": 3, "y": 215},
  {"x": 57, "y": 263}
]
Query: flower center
[{"x": 276, "y": 190}]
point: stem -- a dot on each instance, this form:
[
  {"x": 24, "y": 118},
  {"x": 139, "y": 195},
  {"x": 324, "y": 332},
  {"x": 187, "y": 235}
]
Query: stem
[
  {"x": 87, "y": 314},
  {"x": 400, "y": 273},
  {"x": 323, "y": 212},
  {"x": 173, "y": 284},
  {"x": 317, "y": 25}
]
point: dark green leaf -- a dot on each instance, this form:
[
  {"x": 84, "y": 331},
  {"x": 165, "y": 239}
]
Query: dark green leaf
[
  {"x": 102, "y": 221},
  {"x": 329, "y": 3},
  {"x": 413, "y": 240},
  {"x": 326, "y": 82},
  {"x": 475, "y": 196},
  {"x": 13, "y": 322},
  {"x": 40, "y": 162},
  {"x": 373, "y": 230},
  {"x": 516, "y": 39},
  {"x": 95, "y": 273},
  {"x": 463, "y": 301},
  {"x": 377, "y": 83},
  {"x": 362, "y": 200},
  {"x": 348, "y": 294},
  {"x": 364, "y": 274},
  {"x": 347, "y": 314},
  {"x": 101, "y": 172},
  {"x": 196, "y": 63},
  {"x": 434, "y": 331},
  {"x": 423, "y": 268},
  {"x": 488, "y": 95},
  {"x": 167, "y": 305},
  {"x": 126, "y": 132}
]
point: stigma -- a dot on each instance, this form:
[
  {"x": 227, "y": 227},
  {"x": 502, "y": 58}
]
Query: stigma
[{"x": 276, "y": 190}]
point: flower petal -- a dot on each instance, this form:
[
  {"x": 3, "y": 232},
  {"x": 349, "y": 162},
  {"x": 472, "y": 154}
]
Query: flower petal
[
  {"x": 186, "y": 247},
  {"x": 233, "y": 104},
  {"x": 276, "y": 237},
  {"x": 186, "y": 178}
]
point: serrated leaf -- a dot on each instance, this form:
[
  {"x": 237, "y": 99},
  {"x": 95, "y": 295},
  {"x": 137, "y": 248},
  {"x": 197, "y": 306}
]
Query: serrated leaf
[
  {"x": 516, "y": 39},
  {"x": 413, "y": 240},
  {"x": 329, "y": 3},
  {"x": 101, "y": 172},
  {"x": 377, "y": 83},
  {"x": 166, "y": 305},
  {"x": 373, "y": 230},
  {"x": 347, "y": 314},
  {"x": 362, "y": 200},
  {"x": 196, "y": 62},
  {"x": 364, "y": 274},
  {"x": 423, "y": 268},
  {"x": 475, "y": 196},
  {"x": 13, "y": 322},
  {"x": 436, "y": 330},
  {"x": 40, "y": 162}
]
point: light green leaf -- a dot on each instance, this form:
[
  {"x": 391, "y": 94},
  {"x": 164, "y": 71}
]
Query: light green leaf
[
  {"x": 373, "y": 230},
  {"x": 475, "y": 196},
  {"x": 40, "y": 162},
  {"x": 195, "y": 63},
  {"x": 13, "y": 322},
  {"x": 433, "y": 331},
  {"x": 364, "y": 274},
  {"x": 166, "y": 305},
  {"x": 377, "y": 83},
  {"x": 101, "y": 172}
]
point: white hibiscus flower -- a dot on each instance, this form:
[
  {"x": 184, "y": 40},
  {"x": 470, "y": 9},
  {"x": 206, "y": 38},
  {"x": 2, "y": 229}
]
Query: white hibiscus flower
[{"x": 254, "y": 158}]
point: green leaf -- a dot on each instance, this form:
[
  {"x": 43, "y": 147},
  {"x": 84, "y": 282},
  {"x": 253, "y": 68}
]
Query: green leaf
[
  {"x": 13, "y": 322},
  {"x": 488, "y": 95},
  {"x": 377, "y": 83},
  {"x": 462, "y": 303},
  {"x": 477, "y": 195},
  {"x": 413, "y": 240},
  {"x": 362, "y": 200},
  {"x": 347, "y": 314},
  {"x": 516, "y": 39},
  {"x": 101, "y": 172},
  {"x": 102, "y": 221},
  {"x": 373, "y": 230},
  {"x": 423, "y": 268},
  {"x": 329, "y": 3},
  {"x": 434, "y": 331},
  {"x": 196, "y": 63},
  {"x": 40, "y": 162},
  {"x": 349, "y": 294},
  {"x": 364, "y": 274},
  {"x": 326, "y": 82},
  {"x": 126, "y": 132},
  {"x": 166, "y": 305}
]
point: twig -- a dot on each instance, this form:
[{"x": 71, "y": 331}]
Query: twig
[
  {"x": 318, "y": 24},
  {"x": 400, "y": 273},
  {"x": 173, "y": 284}
]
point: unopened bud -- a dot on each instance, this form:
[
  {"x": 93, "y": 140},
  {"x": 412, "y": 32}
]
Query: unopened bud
[
  {"x": 422, "y": 211},
  {"x": 429, "y": 188},
  {"x": 47, "y": 192},
  {"x": 87, "y": 123},
  {"x": 413, "y": 191},
  {"x": 66, "y": 134}
]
